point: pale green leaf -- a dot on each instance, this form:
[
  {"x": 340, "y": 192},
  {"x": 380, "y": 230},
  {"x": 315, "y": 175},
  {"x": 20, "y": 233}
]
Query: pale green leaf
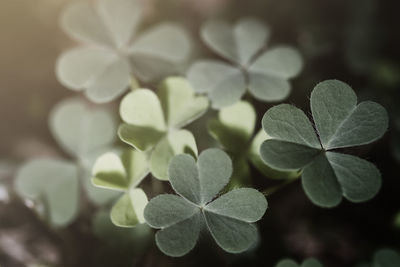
[
  {"x": 121, "y": 17},
  {"x": 311, "y": 263},
  {"x": 81, "y": 21},
  {"x": 320, "y": 183},
  {"x": 360, "y": 180},
  {"x": 55, "y": 182},
  {"x": 266, "y": 87},
  {"x": 80, "y": 129},
  {"x": 244, "y": 204},
  {"x": 232, "y": 235},
  {"x": 120, "y": 172},
  {"x": 282, "y": 155},
  {"x": 386, "y": 258},
  {"x": 128, "y": 211},
  {"x": 179, "y": 102},
  {"x": 224, "y": 84},
  {"x": 176, "y": 142},
  {"x": 166, "y": 210},
  {"x": 111, "y": 83},
  {"x": 142, "y": 108},
  {"x": 141, "y": 138},
  {"x": 340, "y": 121},
  {"x": 238, "y": 43},
  {"x": 80, "y": 67},
  {"x": 167, "y": 41},
  {"x": 99, "y": 196},
  {"x": 288, "y": 123},
  {"x": 287, "y": 263},
  {"x": 108, "y": 172},
  {"x": 178, "y": 239},
  {"x": 280, "y": 62}
]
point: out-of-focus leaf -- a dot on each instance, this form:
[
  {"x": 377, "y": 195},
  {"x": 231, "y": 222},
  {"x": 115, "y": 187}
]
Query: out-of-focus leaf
[
  {"x": 79, "y": 129},
  {"x": 53, "y": 181}
]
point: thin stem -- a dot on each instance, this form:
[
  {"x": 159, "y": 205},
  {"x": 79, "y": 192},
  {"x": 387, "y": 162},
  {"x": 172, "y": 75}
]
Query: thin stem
[{"x": 273, "y": 189}]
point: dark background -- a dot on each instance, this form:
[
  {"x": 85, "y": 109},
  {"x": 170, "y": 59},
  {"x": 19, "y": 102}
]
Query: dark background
[{"x": 356, "y": 41}]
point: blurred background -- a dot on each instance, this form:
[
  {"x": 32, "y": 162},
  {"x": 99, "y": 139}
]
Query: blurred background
[{"x": 356, "y": 41}]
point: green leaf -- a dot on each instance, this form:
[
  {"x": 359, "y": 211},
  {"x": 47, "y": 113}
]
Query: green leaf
[
  {"x": 79, "y": 129},
  {"x": 108, "y": 172},
  {"x": 53, "y": 181},
  {"x": 129, "y": 209},
  {"x": 121, "y": 17},
  {"x": 166, "y": 210},
  {"x": 159, "y": 51},
  {"x": 234, "y": 236},
  {"x": 180, "y": 104},
  {"x": 311, "y": 262},
  {"x": 180, "y": 238},
  {"x": 200, "y": 183},
  {"x": 81, "y": 21},
  {"x": 255, "y": 158},
  {"x": 244, "y": 204},
  {"x": 224, "y": 84},
  {"x": 111, "y": 83},
  {"x": 266, "y": 87},
  {"x": 120, "y": 172},
  {"x": 320, "y": 183},
  {"x": 282, "y": 155},
  {"x": 386, "y": 258},
  {"x": 167, "y": 41},
  {"x": 288, "y": 123},
  {"x": 79, "y": 67},
  {"x": 279, "y": 62},
  {"x": 176, "y": 142},
  {"x": 141, "y": 138},
  {"x": 287, "y": 263},
  {"x": 340, "y": 121},
  {"x": 142, "y": 108},
  {"x": 180, "y": 218},
  {"x": 269, "y": 73},
  {"x": 360, "y": 180},
  {"x": 239, "y": 43},
  {"x": 215, "y": 169},
  {"x": 234, "y": 127}
]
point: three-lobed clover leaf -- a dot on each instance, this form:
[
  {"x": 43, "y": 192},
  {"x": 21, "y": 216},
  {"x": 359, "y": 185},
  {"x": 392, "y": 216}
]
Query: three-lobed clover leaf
[
  {"x": 82, "y": 132},
  {"x": 112, "y": 54},
  {"x": 123, "y": 173},
  {"x": 180, "y": 217},
  {"x": 265, "y": 74},
  {"x": 234, "y": 130},
  {"x": 152, "y": 123},
  {"x": 311, "y": 262},
  {"x": 340, "y": 123}
]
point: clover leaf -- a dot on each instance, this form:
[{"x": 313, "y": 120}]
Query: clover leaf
[
  {"x": 123, "y": 173},
  {"x": 386, "y": 258},
  {"x": 340, "y": 123},
  {"x": 180, "y": 217},
  {"x": 311, "y": 262},
  {"x": 265, "y": 74},
  {"x": 152, "y": 122},
  {"x": 106, "y": 63},
  {"x": 234, "y": 130},
  {"x": 53, "y": 181},
  {"x": 82, "y": 132}
]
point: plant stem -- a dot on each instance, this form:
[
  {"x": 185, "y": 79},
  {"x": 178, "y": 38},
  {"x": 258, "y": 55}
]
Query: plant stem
[{"x": 273, "y": 189}]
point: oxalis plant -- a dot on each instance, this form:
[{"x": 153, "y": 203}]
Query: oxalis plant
[{"x": 211, "y": 190}]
